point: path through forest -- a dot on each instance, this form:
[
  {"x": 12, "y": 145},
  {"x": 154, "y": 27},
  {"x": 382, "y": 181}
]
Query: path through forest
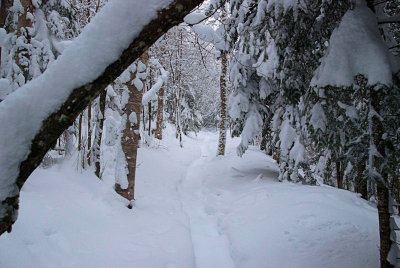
[
  {"x": 192, "y": 209},
  {"x": 203, "y": 226}
]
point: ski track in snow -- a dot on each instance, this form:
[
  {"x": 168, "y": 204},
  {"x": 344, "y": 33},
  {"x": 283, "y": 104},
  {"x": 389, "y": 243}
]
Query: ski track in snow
[{"x": 211, "y": 248}]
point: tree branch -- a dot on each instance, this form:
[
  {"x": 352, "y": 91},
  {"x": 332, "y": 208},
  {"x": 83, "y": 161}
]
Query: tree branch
[{"x": 391, "y": 19}]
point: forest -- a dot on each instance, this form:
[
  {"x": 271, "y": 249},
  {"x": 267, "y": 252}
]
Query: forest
[{"x": 189, "y": 133}]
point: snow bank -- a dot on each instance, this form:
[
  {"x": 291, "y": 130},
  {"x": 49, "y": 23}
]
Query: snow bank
[
  {"x": 100, "y": 44},
  {"x": 281, "y": 224}
]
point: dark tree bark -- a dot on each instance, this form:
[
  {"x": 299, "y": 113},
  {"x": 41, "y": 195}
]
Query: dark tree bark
[
  {"x": 384, "y": 224},
  {"x": 80, "y": 133},
  {"x": 99, "y": 133},
  {"x": 339, "y": 174},
  {"x": 264, "y": 137},
  {"x": 382, "y": 190},
  {"x": 89, "y": 137},
  {"x": 149, "y": 112},
  {"x": 55, "y": 124},
  {"x": 361, "y": 182}
]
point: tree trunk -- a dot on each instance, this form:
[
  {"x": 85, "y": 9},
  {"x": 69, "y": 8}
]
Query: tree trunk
[
  {"x": 80, "y": 133},
  {"x": 339, "y": 174},
  {"x": 80, "y": 97},
  {"x": 179, "y": 89},
  {"x": 382, "y": 190},
  {"x": 222, "y": 124},
  {"x": 89, "y": 138},
  {"x": 143, "y": 118},
  {"x": 396, "y": 189},
  {"x": 384, "y": 224},
  {"x": 69, "y": 142},
  {"x": 149, "y": 108},
  {"x": 264, "y": 137},
  {"x": 361, "y": 182},
  {"x": 160, "y": 113},
  {"x": 130, "y": 136},
  {"x": 99, "y": 133}
]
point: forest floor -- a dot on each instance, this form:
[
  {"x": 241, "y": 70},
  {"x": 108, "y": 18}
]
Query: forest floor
[{"x": 192, "y": 209}]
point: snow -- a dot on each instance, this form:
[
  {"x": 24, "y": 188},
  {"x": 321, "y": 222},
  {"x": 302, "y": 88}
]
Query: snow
[
  {"x": 356, "y": 47},
  {"x": 4, "y": 88},
  {"x": 251, "y": 129},
  {"x": 3, "y": 35},
  {"x": 298, "y": 152},
  {"x": 267, "y": 68},
  {"x": 192, "y": 209},
  {"x": 100, "y": 44},
  {"x": 287, "y": 136},
  {"x": 138, "y": 83},
  {"x": 351, "y": 111},
  {"x": 208, "y": 34},
  {"x": 318, "y": 119},
  {"x": 133, "y": 118},
  {"x": 285, "y": 5},
  {"x": 194, "y": 18},
  {"x": 149, "y": 95}
]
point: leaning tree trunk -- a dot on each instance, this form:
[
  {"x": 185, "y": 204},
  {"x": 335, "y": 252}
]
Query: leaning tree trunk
[
  {"x": 160, "y": 113},
  {"x": 79, "y": 98},
  {"x": 222, "y": 124},
  {"x": 130, "y": 136}
]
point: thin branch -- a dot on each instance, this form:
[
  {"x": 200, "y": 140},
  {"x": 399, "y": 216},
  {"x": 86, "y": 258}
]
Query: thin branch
[{"x": 391, "y": 19}]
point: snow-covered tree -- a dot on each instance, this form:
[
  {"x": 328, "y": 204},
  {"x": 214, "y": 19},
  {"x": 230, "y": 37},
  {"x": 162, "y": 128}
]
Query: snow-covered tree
[{"x": 37, "y": 32}]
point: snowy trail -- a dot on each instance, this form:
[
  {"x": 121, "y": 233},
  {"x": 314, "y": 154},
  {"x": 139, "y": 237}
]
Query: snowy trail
[
  {"x": 193, "y": 209},
  {"x": 211, "y": 249}
]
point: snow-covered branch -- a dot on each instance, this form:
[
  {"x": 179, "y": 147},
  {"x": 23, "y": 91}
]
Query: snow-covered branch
[{"x": 156, "y": 87}]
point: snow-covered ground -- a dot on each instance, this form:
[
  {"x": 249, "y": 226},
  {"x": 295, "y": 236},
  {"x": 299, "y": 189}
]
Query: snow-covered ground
[{"x": 192, "y": 210}]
